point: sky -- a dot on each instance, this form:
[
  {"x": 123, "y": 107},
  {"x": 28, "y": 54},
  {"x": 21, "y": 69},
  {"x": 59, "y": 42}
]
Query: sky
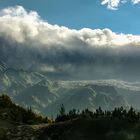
[
  {"x": 118, "y": 15},
  {"x": 72, "y": 40}
]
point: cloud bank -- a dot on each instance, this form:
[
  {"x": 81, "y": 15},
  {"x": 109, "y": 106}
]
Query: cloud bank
[
  {"x": 28, "y": 42},
  {"x": 114, "y": 4}
]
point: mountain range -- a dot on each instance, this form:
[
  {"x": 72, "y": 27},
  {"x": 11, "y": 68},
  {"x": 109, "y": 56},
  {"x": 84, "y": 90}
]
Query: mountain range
[{"x": 35, "y": 90}]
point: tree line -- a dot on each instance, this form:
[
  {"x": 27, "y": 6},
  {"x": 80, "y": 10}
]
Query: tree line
[
  {"x": 27, "y": 116},
  {"x": 120, "y": 113}
]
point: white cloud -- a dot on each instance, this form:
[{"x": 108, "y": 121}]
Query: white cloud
[
  {"x": 23, "y": 27},
  {"x": 114, "y": 4},
  {"x": 28, "y": 41},
  {"x": 111, "y": 4},
  {"x": 135, "y": 1}
]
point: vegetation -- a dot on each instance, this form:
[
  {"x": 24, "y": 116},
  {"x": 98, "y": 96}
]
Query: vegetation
[
  {"x": 93, "y": 129},
  {"x": 120, "y": 113},
  {"x": 118, "y": 124},
  {"x": 12, "y": 112}
]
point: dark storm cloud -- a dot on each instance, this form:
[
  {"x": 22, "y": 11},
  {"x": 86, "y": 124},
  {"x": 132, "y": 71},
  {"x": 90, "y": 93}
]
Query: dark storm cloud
[{"x": 26, "y": 41}]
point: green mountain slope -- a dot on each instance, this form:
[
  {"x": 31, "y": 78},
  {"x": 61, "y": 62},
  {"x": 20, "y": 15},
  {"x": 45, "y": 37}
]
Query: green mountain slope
[{"x": 14, "y": 117}]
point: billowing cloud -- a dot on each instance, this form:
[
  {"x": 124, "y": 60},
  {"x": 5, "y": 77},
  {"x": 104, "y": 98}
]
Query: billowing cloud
[
  {"x": 27, "y": 41},
  {"x": 135, "y": 1},
  {"x": 114, "y": 4}
]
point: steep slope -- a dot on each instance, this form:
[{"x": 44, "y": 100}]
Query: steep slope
[
  {"x": 15, "y": 81},
  {"x": 132, "y": 97},
  {"x": 12, "y": 81},
  {"x": 29, "y": 89},
  {"x": 38, "y": 96},
  {"x": 78, "y": 98},
  {"x": 90, "y": 96},
  {"x": 108, "y": 97},
  {"x": 15, "y": 120}
]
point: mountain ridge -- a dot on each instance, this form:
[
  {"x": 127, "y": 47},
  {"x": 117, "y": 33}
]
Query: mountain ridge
[{"x": 34, "y": 89}]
